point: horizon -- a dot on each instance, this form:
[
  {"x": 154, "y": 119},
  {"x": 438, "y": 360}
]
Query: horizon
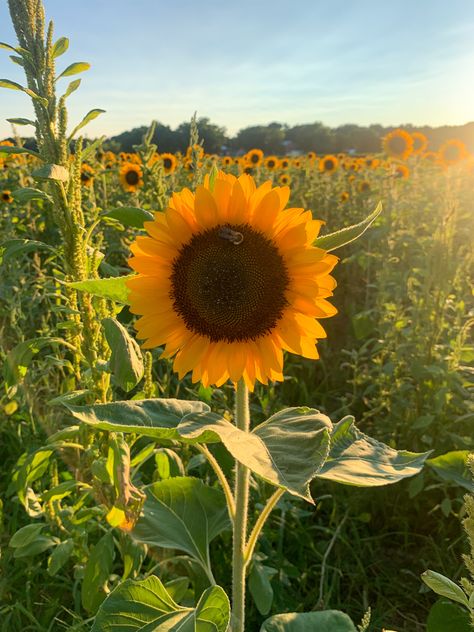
[{"x": 304, "y": 68}]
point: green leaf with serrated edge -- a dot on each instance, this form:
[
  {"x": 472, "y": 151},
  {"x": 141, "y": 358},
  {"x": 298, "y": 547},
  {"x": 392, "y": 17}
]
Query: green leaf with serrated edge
[
  {"x": 74, "y": 69},
  {"x": 51, "y": 172},
  {"x": 20, "y": 121},
  {"x": 130, "y": 216},
  {"x": 15, "y": 247},
  {"x": 72, "y": 87},
  {"x": 90, "y": 116},
  {"x": 348, "y": 234},
  {"x": 126, "y": 362},
  {"x": 60, "y": 47},
  {"x": 182, "y": 513},
  {"x": 287, "y": 450},
  {"x": 452, "y": 468},
  {"x": 113, "y": 288},
  {"x": 325, "y": 621},
  {"x": 356, "y": 459},
  {"x": 146, "y": 606},
  {"x": 29, "y": 193},
  {"x": 6, "y": 149},
  {"x": 97, "y": 572},
  {"x": 445, "y": 587}
]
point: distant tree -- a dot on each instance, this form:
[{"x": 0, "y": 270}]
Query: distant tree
[
  {"x": 312, "y": 137},
  {"x": 213, "y": 137},
  {"x": 269, "y": 138}
]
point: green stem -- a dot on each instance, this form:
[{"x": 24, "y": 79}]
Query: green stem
[
  {"x": 222, "y": 479},
  {"x": 271, "y": 502},
  {"x": 242, "y": 421}
]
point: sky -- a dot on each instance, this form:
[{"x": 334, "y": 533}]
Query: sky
[{"x": 253, "y": 62}]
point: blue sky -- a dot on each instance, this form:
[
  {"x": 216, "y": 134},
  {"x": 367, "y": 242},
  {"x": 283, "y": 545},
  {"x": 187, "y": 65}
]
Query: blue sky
[{"x": 257, "y": 61}]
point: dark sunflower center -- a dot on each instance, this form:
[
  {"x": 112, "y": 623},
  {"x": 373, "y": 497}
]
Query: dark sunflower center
[
  {"x": 451, "y": 152},
  {"x": 398, "y": 144},
  {"x": 228, "y": 283},
  {"x": 271, "y": 164},
  {"x": 131, "y": 177},
  {"x": 5, "y": 196},
  {"x": 85, "y": 176},
  {"x": 167, "y": 163},
  {"x": 328, "y": 164},
  {"x": 254, "y": 158}
]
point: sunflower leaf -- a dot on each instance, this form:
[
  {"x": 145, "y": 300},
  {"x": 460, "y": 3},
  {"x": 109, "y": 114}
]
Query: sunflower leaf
[
  {"x": 136, "y": 606},
  {"x": 112, "y": 288},
  {"x": 287, "y": 450},
  {"x": 130, "y": 216},
  {"x": 28, "y": 193},
  {"x": 356, "y": 459},
  {"x": 346, "y": 235},
  {"x": 327, "y": 620},
  {"x": 126, "y": 362}
]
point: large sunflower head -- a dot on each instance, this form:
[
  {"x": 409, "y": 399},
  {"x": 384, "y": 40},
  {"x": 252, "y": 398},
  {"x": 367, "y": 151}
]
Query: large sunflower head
[
  {"x": 131, "y": 176},
  {"x": 398, "y": 144},
  {"x": 228, "y": 279}
]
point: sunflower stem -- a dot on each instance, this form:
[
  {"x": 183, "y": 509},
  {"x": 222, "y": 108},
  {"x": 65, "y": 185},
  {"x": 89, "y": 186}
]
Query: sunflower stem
[
  {"x": 271, "y": 502},
  {"x": 242, "y": 474}
]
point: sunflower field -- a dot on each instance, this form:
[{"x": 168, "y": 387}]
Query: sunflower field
[{"x": 236, "y": 389}]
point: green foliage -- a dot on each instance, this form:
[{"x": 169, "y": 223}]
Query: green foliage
[{"x": 329, "y": 621}]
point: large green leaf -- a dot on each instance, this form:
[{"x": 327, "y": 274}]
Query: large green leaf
[
  {"x": 183, "y": 513},
  {"x": 452, "y": 468},
  {"x": 348, "y": 234},
  {"x": 356, "y": 459},
  {"x": 97, "y": 572},
  {"x": 130, "y": 215},
  {"x": 445, "y": 587},
  {"x": 146, "y": 606},
  {"x": 325, "y": 621},
  {"x": 113, "y": 288},
  {"x": 287, "y": 450},
  {"x": 126, "y": 362},
  {"x": 446, "y": 616}
]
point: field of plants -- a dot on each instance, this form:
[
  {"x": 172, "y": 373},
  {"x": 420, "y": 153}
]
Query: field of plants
[{"x": 237, "y": 389}]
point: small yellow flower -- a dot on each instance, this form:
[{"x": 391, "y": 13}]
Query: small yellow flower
[
  {"x": 254, "y": 157},
  {"x": 169, "y": 163},
  {"x": 271, "y": 163},
  {"x": 131, "y": 177}
]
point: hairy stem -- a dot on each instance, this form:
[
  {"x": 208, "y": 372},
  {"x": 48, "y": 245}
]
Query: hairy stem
[{"x": 242, "y": 421}]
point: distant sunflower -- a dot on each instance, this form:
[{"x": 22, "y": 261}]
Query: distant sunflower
[
  {"x": 6, "y": 196},
  {"x": 87, "y": 175},
  {"x": 420, "y": 142},
  {"x": 297, "y": 163},
  {"x": 284, "y": 179},
  {"x": 169, "y": 163},
  {"x": 311, "y": 156},
  {"x": 452, "y": 152},
  {"x": 227, "y": 161},
  {"x": 227, "y": 280},
  {"x": 195, "y": 150},
  {"x": 271, "y": 162},
  {"x": 284, "y": 163},
  {"x": 328, "y": 164},
  {"x": 364, "y": 186},
  {"x": 344, "y": 197},
  {"x": 131, "y": 177},
  {"x": 398, "y": 144},
  {"x": 254, "y": 157},
  {"x": 401, "y": 171}
]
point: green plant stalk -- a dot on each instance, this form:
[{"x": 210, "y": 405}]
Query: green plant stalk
[
  {"x": 221, "y": 478},
  {"x": 242, "y": 474},
  {"x": 270, "y": 504}
]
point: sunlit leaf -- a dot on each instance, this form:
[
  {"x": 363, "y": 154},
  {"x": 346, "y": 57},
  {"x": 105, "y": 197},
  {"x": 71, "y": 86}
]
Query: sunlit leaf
[
  {"x": 75, "y": 69},
  {"x": 113, "y": 288},
  {"x": 348, "y": 234},
  {"x": 325, "y": 621}
]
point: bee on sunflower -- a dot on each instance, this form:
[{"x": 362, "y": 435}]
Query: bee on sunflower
[
  {"x": 254, "y": 157},
  {"x": 6, "y": 196},
  {"x": 398, "y": 144},
  {"x": 169, "y": 163},
  {"x": 452, "y": 152},
  {"x": 271, "y": 163},
  {"x": 228, "y": 279},
  {"x": 131, "y": 177},
  {"x": 328, "y": 164},
  {"x": 87, "y": 175}
]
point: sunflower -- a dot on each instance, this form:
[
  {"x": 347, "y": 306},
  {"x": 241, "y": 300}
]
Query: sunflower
[
  {"x": 311, "y": 156},
  {"x": 228, "y": 279},
  {"x": 227, "y": 161},
  {"x": 420, "y": 142},
  {"x": 254, "y": 157},
  {"x": 87, "y": 175},
  {"x": 131, "y": 176},
  {"x": 271, "y": 163},
  {"x": 169, "y": 163},
  {"x": 364, "y": 186},
  {"x": 328, "y": 164},
  {"x": 398, "y": 144},
  {"x": 194, "y": 150},
  {"x": 284, "y": 179},
  {"x": 452, "y": 152},
  {"x": 401, "y": 171},
  {"x": 297, "y": 163},
  {"x": 344, "y": 197},
  {"x": 284, "y": 163},
  {"x": 6, "y": 197}
]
